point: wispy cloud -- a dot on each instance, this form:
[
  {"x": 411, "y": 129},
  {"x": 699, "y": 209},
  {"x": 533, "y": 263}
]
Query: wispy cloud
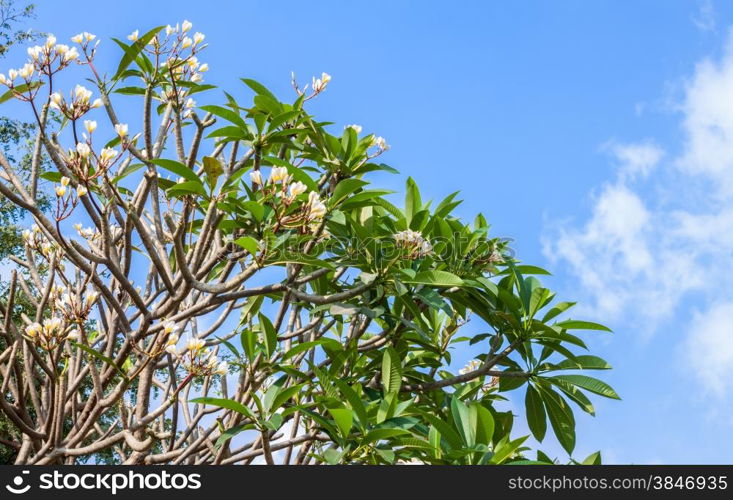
[
  {"x": 663, "y": 228},
  {"x": 704, "y": 20}
]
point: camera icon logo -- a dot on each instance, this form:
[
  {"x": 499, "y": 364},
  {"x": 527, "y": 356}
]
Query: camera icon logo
[{"x": 18, "y": 488}]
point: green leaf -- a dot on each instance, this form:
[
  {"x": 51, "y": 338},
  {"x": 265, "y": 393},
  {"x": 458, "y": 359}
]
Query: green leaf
[
  {"x": 345, "y": 188},
  {"x": 583, "y": 362},
  {"x": 231, "y": 432},
  {"x": 101, "y": 357},
  {"x": 465, "y": 419},
  {"x": 259, "y": 88},
  {"x": 227, "y": 114},
  {"x": 485, "y": 427},
  {"x": 186, "y": 188},
  {"x": 177, "y": 168},
  {"x": 561, "y": 418},
  {"x": 213, "y": 169},
  {"x": 413, "y": 203},
  {"x": 557, "y": 309},
  {"x": 592, "y": 459},
  {"x": 248, "y": 243},
  {"x": 270, "y": 334},
  {"x": 249, "y": 343},
  {"x": 581, "y": 325},
  {"x": 19, "y": 89},
  {"x": 589, "y": 384},
  {"x": 306, "y": 346},
  {"x": 132, "y": 51},
  {"x": 506, "y": 449},
  {"x": 436, "y": 278},
  {"x": 284, "y": 395},
  {"x": 344, "y": 419},
  {"x": 536, "y": 417},
  {"x": 391, "y": 371},
  {"x": 227, "y": 404},
  {"x": 354, "y": 401}
]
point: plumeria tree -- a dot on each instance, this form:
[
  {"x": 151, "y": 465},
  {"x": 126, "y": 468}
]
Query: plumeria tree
[{"x": 220, "y": 284}]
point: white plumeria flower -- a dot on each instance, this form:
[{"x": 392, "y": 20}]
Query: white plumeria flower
[
  {"x": 297, "y": 188},
  {"x": 61, "y": 49},
  {"x": 472, "y": 365},
  {"x": 56, "y": 99},
  {"x": 26, "y": 71},
  {"x": 83, "y": 149},
  {"x": 71, "y": 54},
  {"x": 169, "y": 29},
  {"x": 12, "y": 74},
  {"x": 187, "y": 42},
  {"x": 64, "y": 181},
  {"x": 198, "y": 38},
  {"x": 222, "y": 368},
  {"x": 50, "y": 41},
  {"x": 190, "y": 103},
  {"x": 256, "y": 177},
  {"x": 196, "y": 77},
  {"x": 381, "y": 143},
  {"x": 60, "y": 191},
  {"x": 107, "y": 155},
  {"x": 81, "y": 190},
  {"x": 195, "y": 345},
  {"x": 186, "y": 25},
  {"x": 171, "y": 349},
  {"x": 316, "y": 208},
  {"x": 169, "y": 327},
  {"x": 78, "y": 38},
  {"x": 35, "y": 52},
  {"x": 133, "y": 36},
  {"x": 91, "y": 298},
  {"x": 204, "y": 68},
  {"x": 278, "y": 174},
  {"x": 97, "y": 103},
  {"x": 90, "y": 125},
  {"x": 73, "y": 335},
  {"x": 3, "y": 79},
  {"x": 121, "y": 129},
  {"x": 89, "y": 37},
  {"x": 82, "y": 94},
  {"x": 33, "y": 330}
]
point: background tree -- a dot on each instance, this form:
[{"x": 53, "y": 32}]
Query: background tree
[
  {"x": 16, "y": 139},
  {"x": 265, "y": 303}
]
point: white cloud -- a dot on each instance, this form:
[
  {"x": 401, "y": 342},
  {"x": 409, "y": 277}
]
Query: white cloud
[
  {"x": 663, "y": 228},
  {"x": 705, "y": 18},
  {"x": 710, "y": 346},
  {"x": 636, "y": 160}
]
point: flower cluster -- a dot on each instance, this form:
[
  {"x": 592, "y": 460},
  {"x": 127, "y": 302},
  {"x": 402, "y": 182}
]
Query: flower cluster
[
  {"x": 177, "y": 48},
  {"x": 52, "y": 333},
  {"x": 196, "y": 358},
  {"x": 45, "y": 59},
  {"x": 37, "y": 241},
  {"x": 80, "y": 102},
  {"x": 380, "y": 143},
  {"x": 319, "y": 84},
  {"x": 414, "y": 243},
  {"x": 280, "y": 182},
  {"x": 61, "y": 188},
  {"x": 73, "y": 307}
]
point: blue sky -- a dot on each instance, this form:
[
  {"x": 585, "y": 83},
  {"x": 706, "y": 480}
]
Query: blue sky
[{"x": 598, "y": 135}]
